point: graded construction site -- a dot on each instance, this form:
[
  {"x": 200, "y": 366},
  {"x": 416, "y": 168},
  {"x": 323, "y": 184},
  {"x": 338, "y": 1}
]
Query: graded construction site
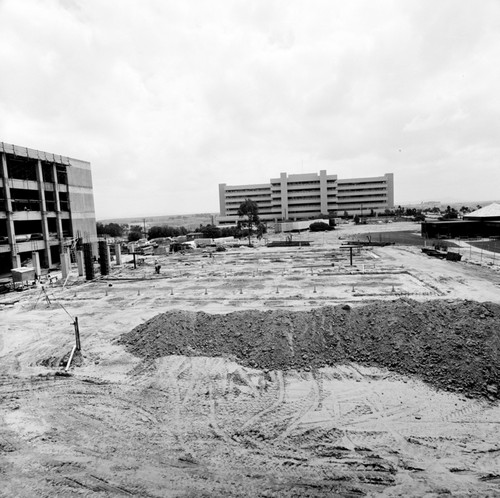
[{"x": 256, "y": 372}]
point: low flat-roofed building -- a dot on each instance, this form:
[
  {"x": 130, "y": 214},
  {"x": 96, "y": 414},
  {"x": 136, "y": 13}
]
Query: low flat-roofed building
[
  {"x": 308, "y": 196},
  {"x": 46, "y": 204}
]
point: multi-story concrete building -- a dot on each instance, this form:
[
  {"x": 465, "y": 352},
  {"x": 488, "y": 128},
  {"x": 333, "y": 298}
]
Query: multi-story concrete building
[
  {"x": 46, "y": 204},
  {"x": 307, "y": 196}
]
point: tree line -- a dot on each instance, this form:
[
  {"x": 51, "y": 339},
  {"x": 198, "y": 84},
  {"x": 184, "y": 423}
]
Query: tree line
[{"x": 249, "y": 223}]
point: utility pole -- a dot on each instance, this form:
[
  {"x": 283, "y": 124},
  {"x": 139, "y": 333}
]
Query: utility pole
[{"x": 144, "y": 225}]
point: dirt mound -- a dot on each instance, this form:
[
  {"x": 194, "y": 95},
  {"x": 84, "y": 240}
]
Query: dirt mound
[{"x": 451, "y": 344}]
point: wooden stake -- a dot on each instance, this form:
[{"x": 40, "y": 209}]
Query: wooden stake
[{"x": 77, "y": 334}]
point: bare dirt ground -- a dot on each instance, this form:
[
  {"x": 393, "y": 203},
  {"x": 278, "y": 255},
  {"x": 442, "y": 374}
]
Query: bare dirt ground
[{"x": 212, "y": 420}]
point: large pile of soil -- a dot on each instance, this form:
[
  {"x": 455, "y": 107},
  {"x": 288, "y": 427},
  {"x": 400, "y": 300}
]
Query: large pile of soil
[{"x": 453, "y": 345}]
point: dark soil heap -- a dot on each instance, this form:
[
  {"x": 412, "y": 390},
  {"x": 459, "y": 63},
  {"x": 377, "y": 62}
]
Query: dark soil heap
[{"x": 452, "y": 345}]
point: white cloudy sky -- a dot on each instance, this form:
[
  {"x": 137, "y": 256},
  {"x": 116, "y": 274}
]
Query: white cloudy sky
[{"x": 167, "y": 99}]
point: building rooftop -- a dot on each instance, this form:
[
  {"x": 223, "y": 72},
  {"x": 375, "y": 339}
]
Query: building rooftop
[
  {"x": 33, "y": 153},
  {"x": 490, "y": 211}
]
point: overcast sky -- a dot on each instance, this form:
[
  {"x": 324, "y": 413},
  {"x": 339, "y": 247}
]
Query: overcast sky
[{"x": 167, "y": 99}]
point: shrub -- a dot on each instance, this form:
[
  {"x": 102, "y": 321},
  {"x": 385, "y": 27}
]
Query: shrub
[{"x": 319, "y": 226}]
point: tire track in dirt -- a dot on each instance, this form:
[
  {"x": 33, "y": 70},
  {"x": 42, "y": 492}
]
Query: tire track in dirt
[
  {"x": 98, "y": 485},
  {"x": 213, "y": 424},
  {"x": 311, "y": 407},
  {"x": 468, "y": 412},
  {"x": 254, "y": 419}
]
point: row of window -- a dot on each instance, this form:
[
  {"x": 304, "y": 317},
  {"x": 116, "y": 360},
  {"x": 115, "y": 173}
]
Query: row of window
[
  {"x": 244, "y": 190},
  {"x": 237, "y": 203},
  {"x": 291, "y": 206},
  {"x": 350, "y": 191},
  {"x": 33, "y": 205},
  {"x": 355, "y": 184},
  {"x": 360, "y": 198},
  {"x": 340, "y": 200},
  {"x": 20, "y": 168},
  {"x": 276, "y": 194},
  {"x": 313, "y": 182},
  {"x": 364, "y": 203}
]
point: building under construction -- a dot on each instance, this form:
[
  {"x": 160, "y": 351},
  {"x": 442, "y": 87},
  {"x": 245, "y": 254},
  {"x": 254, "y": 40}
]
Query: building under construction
[{"x": 46, "y": 206}]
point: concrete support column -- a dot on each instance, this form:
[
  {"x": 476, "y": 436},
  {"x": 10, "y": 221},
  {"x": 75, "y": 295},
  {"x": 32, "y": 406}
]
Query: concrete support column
[
  {"x": 118, "y": 254},
  {"x": 284, "y": 196},
  {"x": 11, "y": 233},
  {"x": 89, "y": 261},
  {"x": 35, "y": 258},
  {"x": 43, "y": 209},
  {"x": 104, "y": 257},
  {"x": 65, "y": 266},
  {"x": 80, "y": 264},
  {"x": 58, "y": 204},
  {"x": 15, "y": 260},
  {"x": 389, "y": 178},
  {"x": 323, "y": 192}
]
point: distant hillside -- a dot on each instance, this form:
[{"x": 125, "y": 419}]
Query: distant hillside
[
  {"x": 186, "y": 220},
  {"x": 443, "y": 204}
]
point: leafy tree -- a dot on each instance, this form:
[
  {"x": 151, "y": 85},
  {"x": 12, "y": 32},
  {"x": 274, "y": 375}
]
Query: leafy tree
[
  {"x": 111, "y": 229},
  {"x": 156, "y": 231},
  {"x": 261, "y": 230},
  {"x": 229, "y": 232},
  {"x": 410, "y": 212},
  {"x": 249, "y": 211},
  {"x": 209, "y": 231},
  {"x": 450, "y": 213},
  {"x": 135, "y": 233}
]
